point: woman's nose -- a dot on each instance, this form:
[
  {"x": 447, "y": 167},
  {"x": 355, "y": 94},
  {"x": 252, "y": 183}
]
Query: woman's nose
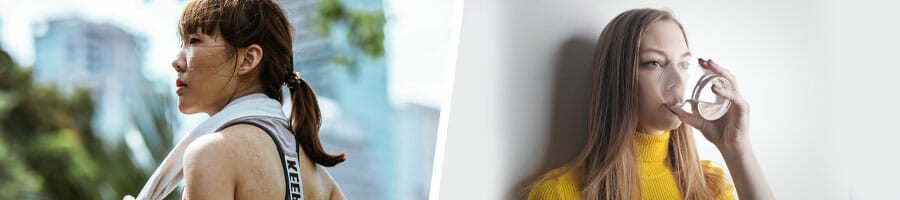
[{"x": 178, "y": 63}]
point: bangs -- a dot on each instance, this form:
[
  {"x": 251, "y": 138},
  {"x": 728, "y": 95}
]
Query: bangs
[{"x": 204, "y": 14}]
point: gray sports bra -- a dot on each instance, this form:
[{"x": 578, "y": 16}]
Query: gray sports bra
[{"x": 288, "y": 150}]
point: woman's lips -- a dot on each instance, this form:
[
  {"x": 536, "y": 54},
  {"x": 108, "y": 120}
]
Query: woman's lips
[{"x": 179, "y": 85}]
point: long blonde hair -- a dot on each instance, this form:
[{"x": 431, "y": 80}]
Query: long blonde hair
[{"x": 608, "y": 157}]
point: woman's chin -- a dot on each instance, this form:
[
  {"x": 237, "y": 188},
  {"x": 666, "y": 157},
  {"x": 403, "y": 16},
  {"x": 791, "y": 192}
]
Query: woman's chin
[
  {"x": 674, "y": 124},
  {"x": 670, "y": 124},
  {"x": 185, "y": 108}
]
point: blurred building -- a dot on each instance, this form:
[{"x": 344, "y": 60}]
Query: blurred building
[
  {"x": 417, "y": 127},
  {"x": 362, "y": 122},
  {"x": 74, "y": 53},
  {"x": 1, "y": 32}
]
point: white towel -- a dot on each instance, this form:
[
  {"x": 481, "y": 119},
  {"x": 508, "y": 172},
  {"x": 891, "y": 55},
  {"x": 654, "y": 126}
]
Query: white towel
[{"x": 169, "y": 174}]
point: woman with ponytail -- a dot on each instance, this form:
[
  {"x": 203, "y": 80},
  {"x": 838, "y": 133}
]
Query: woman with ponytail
[{"x": 235, "y": 59}]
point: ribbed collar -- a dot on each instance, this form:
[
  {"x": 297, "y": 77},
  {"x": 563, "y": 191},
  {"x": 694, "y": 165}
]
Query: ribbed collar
[{"x": 651, "y": 148}]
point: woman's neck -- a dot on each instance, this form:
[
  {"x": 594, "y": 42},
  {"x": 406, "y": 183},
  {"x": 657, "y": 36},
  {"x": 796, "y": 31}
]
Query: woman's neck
[{"x": 238, "y": 93}]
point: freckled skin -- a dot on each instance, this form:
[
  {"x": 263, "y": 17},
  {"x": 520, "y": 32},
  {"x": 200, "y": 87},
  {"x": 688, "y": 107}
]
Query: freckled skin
[{"x": 240, "y": 162}]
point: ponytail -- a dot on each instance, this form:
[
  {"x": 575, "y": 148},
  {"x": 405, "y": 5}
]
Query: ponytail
[
  {"x": 262, "y": 22},
  {"x": 305, "y": 121}
]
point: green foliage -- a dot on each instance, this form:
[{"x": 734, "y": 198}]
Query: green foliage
[
  {"x": 48, "y": 149},
  {"x": 365, "y": 29},
  {"x": 16, "y": 181},
  {"x": 66, "y": 168},
  {"x": 367, "y": 32}
]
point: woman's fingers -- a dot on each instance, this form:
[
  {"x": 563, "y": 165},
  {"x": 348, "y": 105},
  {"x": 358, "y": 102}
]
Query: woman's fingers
[
  {"x": 715, "y": 68},
  {"x": 727, "y": 93},
  {"x": 691, "y": 119},
  {"x": 732, "y": 95}
]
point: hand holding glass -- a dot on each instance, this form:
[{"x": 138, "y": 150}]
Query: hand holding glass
[{"x": 702, "y": 101}]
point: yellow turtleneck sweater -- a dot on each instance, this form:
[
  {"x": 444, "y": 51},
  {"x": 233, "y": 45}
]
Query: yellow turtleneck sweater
[{"x": 656, "y": 179}]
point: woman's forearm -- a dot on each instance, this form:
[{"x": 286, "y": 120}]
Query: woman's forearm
[{"x": 748, "y": 177}]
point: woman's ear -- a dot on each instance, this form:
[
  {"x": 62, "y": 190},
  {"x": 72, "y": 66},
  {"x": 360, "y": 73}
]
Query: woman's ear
[{"x": 252, "y": 55}]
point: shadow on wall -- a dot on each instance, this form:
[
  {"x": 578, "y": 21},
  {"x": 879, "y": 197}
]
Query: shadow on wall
[{"x": 567, "y": 132}]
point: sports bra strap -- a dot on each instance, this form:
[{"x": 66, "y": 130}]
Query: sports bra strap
[{"x": 290, "y": 164}]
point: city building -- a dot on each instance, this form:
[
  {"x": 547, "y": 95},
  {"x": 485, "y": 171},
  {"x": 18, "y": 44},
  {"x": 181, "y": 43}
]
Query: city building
[{"x": 74, "y": 53}]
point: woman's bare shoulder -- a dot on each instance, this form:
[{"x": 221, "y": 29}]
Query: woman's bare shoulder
[
  {"x": 325, "y": 177},
  {"x": 206, "y": 151},
  {"x": 232, "y": 142},
  {"x": 231, "y": 145},
  {"x": 242, "y": 157},
  {"x": 206, "y": 174}
]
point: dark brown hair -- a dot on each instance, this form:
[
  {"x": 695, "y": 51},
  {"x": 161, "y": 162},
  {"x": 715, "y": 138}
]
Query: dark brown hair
[{"x": 262, "y": 22}]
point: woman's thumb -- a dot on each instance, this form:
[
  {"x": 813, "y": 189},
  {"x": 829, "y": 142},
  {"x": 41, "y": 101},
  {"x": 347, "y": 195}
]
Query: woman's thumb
[{"x": 684, "y": 116}]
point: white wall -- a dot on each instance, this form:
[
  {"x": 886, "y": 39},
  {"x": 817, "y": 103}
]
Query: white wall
[
  {"x": 863, "y": 85},
  {"x": 522, "y": 76}
]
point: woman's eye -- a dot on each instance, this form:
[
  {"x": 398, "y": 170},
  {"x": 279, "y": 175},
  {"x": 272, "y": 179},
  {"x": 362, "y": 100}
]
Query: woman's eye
[
  {"x": 190, "y": 42},
  {"x": 652, "y": 64},
  {"x": 684, "y": 64}
]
